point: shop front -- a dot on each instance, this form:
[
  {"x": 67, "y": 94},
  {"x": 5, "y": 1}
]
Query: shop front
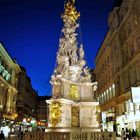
[
  {"x": 130, "y": 118},
  {"x": 108, "y": 119}
]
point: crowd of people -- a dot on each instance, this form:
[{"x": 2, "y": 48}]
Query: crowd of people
[{"x": 127, "y": 134}]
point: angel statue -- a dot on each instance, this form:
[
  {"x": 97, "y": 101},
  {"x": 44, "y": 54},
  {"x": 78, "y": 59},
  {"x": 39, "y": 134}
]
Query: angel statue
[
  {"x": 87, "y": 77},
  {"x": 81, "y": 52},
  {"x": 74, "y": 57},
  {"x": 86, "y": 71}
]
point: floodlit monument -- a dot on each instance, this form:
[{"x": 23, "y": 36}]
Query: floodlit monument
[{"x": 72, "y": 104}]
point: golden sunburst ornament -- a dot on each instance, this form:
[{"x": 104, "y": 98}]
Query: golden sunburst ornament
[
  {"x": 70, "y": 12},
  {"x": 55, "y": 113},
  {"x": 73, "y": 1},
  {"x": 73, "y": 92}
]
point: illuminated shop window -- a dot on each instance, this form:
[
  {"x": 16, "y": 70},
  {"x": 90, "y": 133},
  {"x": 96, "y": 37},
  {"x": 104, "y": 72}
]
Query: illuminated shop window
[
  {"x": 113, "y": 90},
  {"x": 102, "y": 98},
  {"x": 99, "y": 99},
  {"x": 129, "y": 106},
  {"x": 107, "y": 95},
  {"x": 110, "y": 93}
]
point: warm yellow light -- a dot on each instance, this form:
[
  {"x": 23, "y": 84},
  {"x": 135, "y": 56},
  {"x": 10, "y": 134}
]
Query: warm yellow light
[
  {"x": 98, "y": 108},
  {"x": 73, "y": 92},
  {"x": 70, "y": 12},
  {"x": 55, "y": 113},
  {"x": 15, "y": 115}
]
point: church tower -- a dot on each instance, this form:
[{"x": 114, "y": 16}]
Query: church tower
[{"x": 72, "y": 103}]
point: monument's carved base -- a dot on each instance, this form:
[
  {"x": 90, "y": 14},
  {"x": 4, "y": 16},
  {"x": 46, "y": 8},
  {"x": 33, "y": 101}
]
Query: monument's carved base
[
  {"x": 75, "y": 135},
  {"x": 73, "y": 129},
  {"x": 73, "y": 114}
]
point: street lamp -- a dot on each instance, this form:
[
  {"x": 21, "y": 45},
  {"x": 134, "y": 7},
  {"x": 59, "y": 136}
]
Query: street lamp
[{"x": 15, "y": 115}]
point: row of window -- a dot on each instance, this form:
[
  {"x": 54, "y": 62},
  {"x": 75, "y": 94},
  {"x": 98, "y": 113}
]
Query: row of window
[
  {"x": 104, "y": 75},
  {"x": 107, "y": 95},
  {"x": 5, "y": 71},
  {"x": 128, "y": 78}
]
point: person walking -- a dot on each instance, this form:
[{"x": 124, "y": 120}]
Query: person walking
[
  {"x": 21, "y": 135},
  {"x": 2, "y": 137},
  {"x": 133, "y": 134},
  {"x": 127, "y": 134},
  {"x": 123, "y": 136}
]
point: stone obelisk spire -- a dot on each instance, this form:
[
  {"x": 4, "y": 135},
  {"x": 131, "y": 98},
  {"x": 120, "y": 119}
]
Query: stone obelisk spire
[{"x": 70, "y": 57}]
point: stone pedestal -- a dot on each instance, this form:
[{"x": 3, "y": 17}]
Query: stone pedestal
[
  {"x": 89, "y": 114},
  {"x": 65, "y": 112},
  {"x": 73, "y": 114}
]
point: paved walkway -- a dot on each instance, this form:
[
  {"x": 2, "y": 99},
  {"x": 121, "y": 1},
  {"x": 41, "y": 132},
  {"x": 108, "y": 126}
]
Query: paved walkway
[{"x": 14, "y": 137}]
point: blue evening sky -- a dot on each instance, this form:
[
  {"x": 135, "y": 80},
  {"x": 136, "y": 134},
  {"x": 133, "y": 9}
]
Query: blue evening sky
[{"x": 30, "y": 31}]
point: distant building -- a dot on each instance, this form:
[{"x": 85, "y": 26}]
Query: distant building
[
  {"x": 27, "y": 97},
  {"x": 8, "y": 85},
  {"x": 42, "y": 109},
  {"x": 122, "y": 45},
  {"x": 106, "y": 85}
]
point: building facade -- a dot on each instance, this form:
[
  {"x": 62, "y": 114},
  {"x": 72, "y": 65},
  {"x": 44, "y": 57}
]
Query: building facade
[
  {"x": 42, "y": 110},
  {"x": 27, "y": 97},
  {"x": 106, "y": 85},
  {"x": 122, "y": 45},
  {"x": 9, "y": 71}
]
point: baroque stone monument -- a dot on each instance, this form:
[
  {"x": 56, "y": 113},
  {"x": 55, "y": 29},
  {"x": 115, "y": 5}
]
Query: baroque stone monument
[{"x": 72, "y": 103}]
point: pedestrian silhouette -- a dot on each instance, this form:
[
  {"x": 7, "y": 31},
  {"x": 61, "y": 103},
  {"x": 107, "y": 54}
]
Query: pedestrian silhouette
[
  {"x": 122, "y": 134},
  {"x": 127, "y": 134},
  {"x": 2, "y": 136},
  {"x": 133, "y": 133}
]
